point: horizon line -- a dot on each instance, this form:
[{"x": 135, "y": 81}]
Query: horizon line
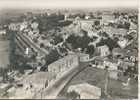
[{"x": 20, "y": 4}]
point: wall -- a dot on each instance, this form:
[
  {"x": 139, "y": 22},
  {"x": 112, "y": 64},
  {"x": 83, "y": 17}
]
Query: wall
[{"x": 63, "y": 64}]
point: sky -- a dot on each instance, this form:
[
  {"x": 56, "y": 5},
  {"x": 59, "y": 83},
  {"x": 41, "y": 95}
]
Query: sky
[{"x": 67, "y": 3}]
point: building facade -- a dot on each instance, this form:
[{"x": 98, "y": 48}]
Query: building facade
[
  {"x": 61, "y": 65},
  {"x": 103, "y": 50},
  {"x": 86, "y": 91},
  {"x": 83, "y": 57}
]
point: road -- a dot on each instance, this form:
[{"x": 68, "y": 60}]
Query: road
[{"x": 52, "y": 91}]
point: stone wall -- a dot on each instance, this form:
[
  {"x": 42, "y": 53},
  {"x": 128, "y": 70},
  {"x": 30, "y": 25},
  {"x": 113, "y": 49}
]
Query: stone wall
[{"x": 63, "y": 64}]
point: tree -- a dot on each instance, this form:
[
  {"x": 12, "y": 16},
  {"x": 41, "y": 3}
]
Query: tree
[
  {"x": 42, "y": 45},
  {"x": 109, "y": 42},
  {"x": 79, "y": 41},
  {"x": 12, "y": 47},
  {"x": 3, "y": 73},
  {"x": 73, "y": 95},
  {"x": 57, "y": 39},
  {"x": 90, "y": 50},
  {"x": 97, "y": 22},
  {"x": 52, "y": 56}
]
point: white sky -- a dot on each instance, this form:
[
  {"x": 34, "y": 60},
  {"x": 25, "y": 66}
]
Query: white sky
[{"x": 67, "y": 3}]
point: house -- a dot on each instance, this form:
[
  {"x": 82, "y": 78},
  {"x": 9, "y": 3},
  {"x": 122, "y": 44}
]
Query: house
[
  {"x": 99, "y": 62},
  {"x": 117, "y": 52},
  {"x": 132, "y": 54},
  {"x": 14, "y": 26},
  {"x": 123, "y": 43},
  {"x": 29, "y": 52},
  {"x": 112, "y": 64},
  {"x": 87, "y": 25},
  {"x": 113, "y": 74},
  {"x": 103, "y": 50},
  {"x": 83, "y": 57},
  {"x": 66, "y": 16},
  {"x": 92, "y": 33},
  {"x": 2, "y": 32},
  {"x": 107, "y": 18},
  {"x": 87, "y": 17},
  {"x": 116, "y": 31},
  {"x": 36, "y": 31},
  {"x": 23, "y": 25},
  {"x": 85, "y": 91},
  {"x": 133, "y": 26},
  {"x": 34, "y": 25}
]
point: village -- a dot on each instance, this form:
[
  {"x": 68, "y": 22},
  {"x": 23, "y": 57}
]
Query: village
[{"x": 64, "y": 55}]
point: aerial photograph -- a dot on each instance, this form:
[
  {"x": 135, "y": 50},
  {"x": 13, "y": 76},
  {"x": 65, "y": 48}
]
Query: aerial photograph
[{"x": 69, "y": 49}]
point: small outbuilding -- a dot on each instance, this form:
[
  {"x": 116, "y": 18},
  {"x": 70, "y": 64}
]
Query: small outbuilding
[{"x": 85, "y": 91}]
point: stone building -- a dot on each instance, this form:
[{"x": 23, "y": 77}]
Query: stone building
[
  {"x": 61, "y": 65},
  {"x": 104, "y": 50},
  {"x": 83, "y": 57},
  {"x": 86, "y": 91},
  {"x": 14, "y": 26}
]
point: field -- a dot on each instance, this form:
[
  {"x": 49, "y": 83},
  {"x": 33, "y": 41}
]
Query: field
[{"x": 4, "y": 53}]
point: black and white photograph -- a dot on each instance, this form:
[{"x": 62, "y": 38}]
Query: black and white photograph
[{"x": 69, "y": 49}]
